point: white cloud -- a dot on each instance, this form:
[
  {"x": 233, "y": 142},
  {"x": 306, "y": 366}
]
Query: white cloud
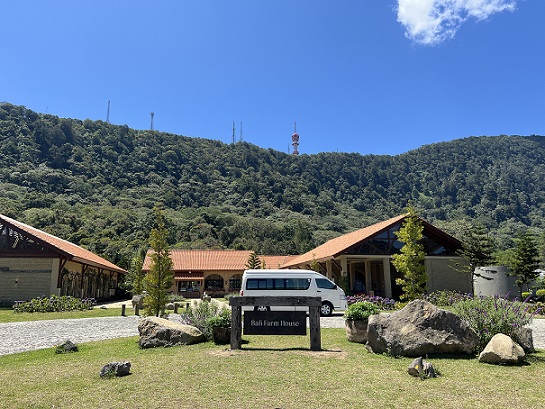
[{"x": 434, "y": 21}]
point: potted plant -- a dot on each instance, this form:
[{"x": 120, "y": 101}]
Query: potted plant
[
  {"x": 221, "y": 326},
  {"x": 356, "y": 319}
]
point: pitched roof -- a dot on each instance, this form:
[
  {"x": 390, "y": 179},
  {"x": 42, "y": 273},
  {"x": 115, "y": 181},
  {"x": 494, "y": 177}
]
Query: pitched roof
[
  {"x": 69, "y": 250},
  {"x": 218, "y": 260},
  {"x": 337, "y": 245}
]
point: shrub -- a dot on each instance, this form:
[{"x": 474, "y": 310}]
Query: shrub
[
  {"x": 382, "y": 303},
  {"x": 489, "y": 316},
  {"x": 446, "y": 298},
  {"x": 360, "y": 310},
  {"x": 222, "y": 319},
  {"x": 55, "y": 304},
  {"x": 199, "y": 315},
  {"x": 541, "y": 294}
]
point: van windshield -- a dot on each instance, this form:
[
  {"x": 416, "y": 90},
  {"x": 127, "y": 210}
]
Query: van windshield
[{"x": 278, "y": 284}]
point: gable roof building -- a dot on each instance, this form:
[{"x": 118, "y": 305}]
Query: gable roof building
[
  {"x": 363, "y": 257},
  {"x": 215, "y": 272},
  {"x": 34, "y": 263}
]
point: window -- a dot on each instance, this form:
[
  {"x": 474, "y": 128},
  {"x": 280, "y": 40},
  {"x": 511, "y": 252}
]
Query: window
[
  {"x": 278, "y": 284},
  {"x": 325, "y": 284}
]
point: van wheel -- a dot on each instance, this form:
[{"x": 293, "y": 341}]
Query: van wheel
[
  {"x": 326, "y": 310},
  {"x": 261, "y": 308}
]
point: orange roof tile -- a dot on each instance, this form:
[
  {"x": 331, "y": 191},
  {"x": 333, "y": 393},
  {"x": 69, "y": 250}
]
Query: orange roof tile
[
  {"x": 337, "y": 245},
  {"x": 70, "y": 250},
  {"x": 218, "y": 260}
]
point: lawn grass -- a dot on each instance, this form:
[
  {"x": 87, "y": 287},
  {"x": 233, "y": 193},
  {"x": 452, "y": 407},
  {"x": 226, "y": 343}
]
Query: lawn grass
[
  {"x": 269, "y": 372},
  {"x": 8, "y": 315}
]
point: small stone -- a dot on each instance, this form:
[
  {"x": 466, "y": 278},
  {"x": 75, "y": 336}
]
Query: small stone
[
  {"x": 66, "y": 347},
  {"x": 115, "y": 369}
]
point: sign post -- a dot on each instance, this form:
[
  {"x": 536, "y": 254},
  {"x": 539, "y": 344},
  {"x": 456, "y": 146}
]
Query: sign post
[{"x": 275, "y": 322}]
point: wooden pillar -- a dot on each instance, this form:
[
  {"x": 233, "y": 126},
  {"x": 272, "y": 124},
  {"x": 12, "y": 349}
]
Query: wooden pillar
[
  {"x": 351, "y": 275},
  {"x": 315, "y": 332},
  {"x": 236, "y": 327}
]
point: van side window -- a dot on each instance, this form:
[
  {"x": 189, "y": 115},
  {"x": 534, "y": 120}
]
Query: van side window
[
  {"x": 325, "y": 284},
  {"x": 278, "y": 284}
]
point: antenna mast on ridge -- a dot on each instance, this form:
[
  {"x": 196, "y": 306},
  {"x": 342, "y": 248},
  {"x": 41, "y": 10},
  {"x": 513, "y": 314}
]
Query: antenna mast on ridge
[
  {"x": 233, "y": 132},
  {"x": 108, "y": 113},
  {"x": 151, "y": 124},
  {"x": 295, "y": 140},
  {"x": 240, "y": 131}
]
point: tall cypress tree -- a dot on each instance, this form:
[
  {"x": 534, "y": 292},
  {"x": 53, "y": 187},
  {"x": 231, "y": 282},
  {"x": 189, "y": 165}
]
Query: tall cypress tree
[
  {"x": 525, "y": 260},
  {"x": 410, "y": 260},
  {"x": 160, "y": 278}
]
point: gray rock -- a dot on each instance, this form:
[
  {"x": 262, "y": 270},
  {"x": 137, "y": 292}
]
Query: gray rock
[
  {"x": 420, "y": 329},
  {"x": 502, "y": 350},
  {"x": 66, "y": 347},
  {"x": 170, "y": 306},
  {"x": 159, "y": 332},
  {"x": 524, "y": 337},
  {"x": 138, "y": 301},
  {"x": 115, "y": 369},
  {"x": 421, "y": 368}
]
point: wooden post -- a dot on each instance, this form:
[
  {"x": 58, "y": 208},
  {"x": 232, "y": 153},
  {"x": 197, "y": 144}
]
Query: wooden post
[
  {"x": 122, "y": 310},
  {"x": 136, "y": 312},
  {"x": 175, "y": 308},
  {"x": 236, "y": 327},
  {"x": 315, "y": 332}
]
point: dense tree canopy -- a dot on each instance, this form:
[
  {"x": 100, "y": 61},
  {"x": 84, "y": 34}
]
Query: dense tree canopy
[{"x": 95, "y": 183}]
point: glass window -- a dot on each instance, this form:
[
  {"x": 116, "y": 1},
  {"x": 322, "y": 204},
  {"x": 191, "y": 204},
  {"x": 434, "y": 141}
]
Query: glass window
[{"x": 325, "y": 284}]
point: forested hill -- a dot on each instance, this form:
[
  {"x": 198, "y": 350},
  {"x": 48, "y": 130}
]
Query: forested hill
[{"x": 94, "y": 184}]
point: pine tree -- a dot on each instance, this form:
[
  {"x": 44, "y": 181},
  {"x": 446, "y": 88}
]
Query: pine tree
[
  {"x": 410, "y": 260},
  {"x": 477, "y": 249},
  {"x": 134, "y": 281},
  {"x": 160, "y": 278},
  {"x": 253, "y": 263},
  {"x": 525, "y": 260}
]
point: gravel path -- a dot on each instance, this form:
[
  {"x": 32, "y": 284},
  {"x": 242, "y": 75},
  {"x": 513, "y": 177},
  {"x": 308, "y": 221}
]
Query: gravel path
[{"x": 27, "y": 336}]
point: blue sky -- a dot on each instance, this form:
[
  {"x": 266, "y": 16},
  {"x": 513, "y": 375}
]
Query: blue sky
[{"x": 366, "y": 76}]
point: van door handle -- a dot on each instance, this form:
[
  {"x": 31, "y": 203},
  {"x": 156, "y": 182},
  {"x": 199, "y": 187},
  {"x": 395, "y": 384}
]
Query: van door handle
[{"x": 318, "y": 291}]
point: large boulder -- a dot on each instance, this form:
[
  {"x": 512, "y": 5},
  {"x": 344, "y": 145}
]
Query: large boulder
[
  {"x": 502, "y": 350},
  {"x": 159, "y": 332},
  {"x": 419, "y": 329}
]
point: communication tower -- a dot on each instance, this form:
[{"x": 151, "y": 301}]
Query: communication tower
[
  {"x": 108, "y": 113},
  {"x": 295, "y": 140},
  {"x": 151, "y": 125},
  {"x": 233, "y": 132}
]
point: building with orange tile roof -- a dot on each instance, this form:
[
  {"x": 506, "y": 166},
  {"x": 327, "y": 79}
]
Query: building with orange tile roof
[
  {"x": 34, "y": 263},
  {"x": 364, "y": 256},
  {"x": 216, "y": 272}
]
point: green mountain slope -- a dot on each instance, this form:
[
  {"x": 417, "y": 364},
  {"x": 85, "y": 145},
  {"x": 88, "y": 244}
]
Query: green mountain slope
[{"x": 94, "y": 183}]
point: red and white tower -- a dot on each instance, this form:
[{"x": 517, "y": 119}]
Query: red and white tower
[{"x": 295, "y": 140}]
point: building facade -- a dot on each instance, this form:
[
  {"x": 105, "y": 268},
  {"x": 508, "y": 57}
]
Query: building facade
[
  {"x": 34, "y": 263},
  {"x": 364, "y": 259}
]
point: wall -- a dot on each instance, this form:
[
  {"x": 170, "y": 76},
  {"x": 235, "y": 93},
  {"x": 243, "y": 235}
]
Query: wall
[
  {"x": 495, "y": 281},
  {"x": 442, "y": 275},
  {"x": 24, "y": 278}
]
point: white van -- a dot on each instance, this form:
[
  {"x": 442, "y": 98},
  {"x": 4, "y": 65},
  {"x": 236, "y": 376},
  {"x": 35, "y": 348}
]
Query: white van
[{"x": 293, "y": 283}]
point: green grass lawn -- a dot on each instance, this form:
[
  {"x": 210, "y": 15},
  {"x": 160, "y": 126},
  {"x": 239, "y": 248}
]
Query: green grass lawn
[
  {"x": 8, "y": 315},
  {"x": 269, "y": 372}
]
